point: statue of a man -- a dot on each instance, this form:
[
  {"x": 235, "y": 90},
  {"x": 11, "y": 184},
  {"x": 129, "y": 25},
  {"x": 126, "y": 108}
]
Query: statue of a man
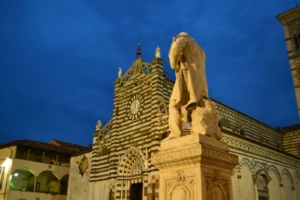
[{"x": 188, "y": 60}]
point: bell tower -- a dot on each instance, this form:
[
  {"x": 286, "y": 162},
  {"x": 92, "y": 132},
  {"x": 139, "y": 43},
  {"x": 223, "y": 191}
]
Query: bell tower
[{"x": 290, "y": 21}]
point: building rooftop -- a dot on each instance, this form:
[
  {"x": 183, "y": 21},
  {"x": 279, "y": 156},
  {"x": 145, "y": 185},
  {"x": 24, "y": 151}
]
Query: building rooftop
[{"x": 53, "y": 145}]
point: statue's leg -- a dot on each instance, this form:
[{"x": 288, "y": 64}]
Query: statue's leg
[{"x": 175, "y": 121}]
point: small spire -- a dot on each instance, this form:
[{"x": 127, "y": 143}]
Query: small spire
[{"x": 139, "y": 51}]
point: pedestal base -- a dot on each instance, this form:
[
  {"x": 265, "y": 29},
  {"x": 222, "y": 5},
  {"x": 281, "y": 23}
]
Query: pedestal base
[{"x": 194, "y": 167}]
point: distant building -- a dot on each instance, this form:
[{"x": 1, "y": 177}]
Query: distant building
[
  {"x": 35, "y": 170},
  {"x": 120, "y": 167}
]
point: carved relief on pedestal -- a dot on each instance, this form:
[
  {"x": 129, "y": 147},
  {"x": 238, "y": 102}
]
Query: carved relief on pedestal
[
  {"x": 180, "y": 187},
  {"x": 216, "y": 188}
]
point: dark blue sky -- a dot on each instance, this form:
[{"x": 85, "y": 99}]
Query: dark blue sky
[{"x": 59, "y": 59}]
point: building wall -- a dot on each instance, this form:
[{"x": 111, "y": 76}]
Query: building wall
[
  {"x": 79, "y": 187},
  {"x": 291, "y": 142},
  {"x": 279, "y": 171}
]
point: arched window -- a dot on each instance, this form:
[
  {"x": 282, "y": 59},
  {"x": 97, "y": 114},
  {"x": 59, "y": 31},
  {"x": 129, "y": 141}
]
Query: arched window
[
  {"x": 262, "y": 186},
  {"x": 298, "y": 37}
]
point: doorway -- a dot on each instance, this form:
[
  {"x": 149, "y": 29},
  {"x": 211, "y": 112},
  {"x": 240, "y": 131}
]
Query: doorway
[{"x": 136, "y": 191}]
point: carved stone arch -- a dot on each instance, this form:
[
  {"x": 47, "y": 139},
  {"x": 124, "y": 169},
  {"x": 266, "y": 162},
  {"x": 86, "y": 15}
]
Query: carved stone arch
[
  {"x": 285, "y": 171},
  {"x": 272, "y": 167},
  {"x": 247, "y": 162},
  {"x": 258, "y": 165},
  {"x": 133, "y": 162},
  {"x": 296, "y": 175}
]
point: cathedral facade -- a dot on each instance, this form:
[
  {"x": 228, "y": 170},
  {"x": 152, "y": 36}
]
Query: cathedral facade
[{"x": 120, "y": 167}]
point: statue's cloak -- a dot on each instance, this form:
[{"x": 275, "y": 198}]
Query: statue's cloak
[{"x": 188, "y": 59}]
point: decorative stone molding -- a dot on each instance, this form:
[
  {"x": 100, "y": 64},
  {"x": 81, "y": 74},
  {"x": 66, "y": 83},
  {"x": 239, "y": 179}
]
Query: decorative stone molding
[
  {"x": 273, "y": 168},
  {"x": 175, "y": 154},
  {"x": 243, "y": 162},
  {"x": 220, "y": 155}
]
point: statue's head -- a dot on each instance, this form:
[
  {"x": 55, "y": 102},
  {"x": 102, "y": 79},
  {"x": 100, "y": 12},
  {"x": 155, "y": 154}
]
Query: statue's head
[{"x": 183, "y": 34}]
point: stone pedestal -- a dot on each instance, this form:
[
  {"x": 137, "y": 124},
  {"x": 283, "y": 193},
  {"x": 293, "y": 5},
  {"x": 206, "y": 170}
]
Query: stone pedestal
[{"x": 194, "y": 167}]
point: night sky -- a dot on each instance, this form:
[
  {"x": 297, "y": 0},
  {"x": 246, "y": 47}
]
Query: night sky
[{"x": 59, "y": 59}]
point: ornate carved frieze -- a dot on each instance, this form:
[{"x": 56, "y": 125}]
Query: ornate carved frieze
[
  {"x": 177, "y": 154},
  {"x": 220, "y": 155},
  {"x": 192, "y": 151}
]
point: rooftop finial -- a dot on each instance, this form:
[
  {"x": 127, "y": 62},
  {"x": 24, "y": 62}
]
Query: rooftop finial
[
  {"x": 98, "y": 125},
  {"x": 157, "y": 52},
  {"x": 139, "y": 51},
  {"x": 120, "y": 72}
]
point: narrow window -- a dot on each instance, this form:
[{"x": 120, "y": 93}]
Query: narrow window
[{"x": 297, "y": 41}]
